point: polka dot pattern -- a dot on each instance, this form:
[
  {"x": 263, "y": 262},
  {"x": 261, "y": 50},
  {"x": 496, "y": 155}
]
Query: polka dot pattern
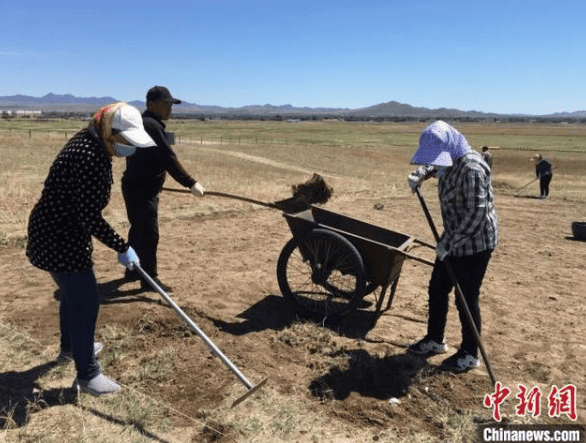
[{"x": 69, "y": 212}]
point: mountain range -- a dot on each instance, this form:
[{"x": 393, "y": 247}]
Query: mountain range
[{"x": 69, "y": 103}]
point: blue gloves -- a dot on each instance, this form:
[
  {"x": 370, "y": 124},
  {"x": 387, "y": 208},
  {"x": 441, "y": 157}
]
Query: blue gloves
[{"x": 128, "y": 258}]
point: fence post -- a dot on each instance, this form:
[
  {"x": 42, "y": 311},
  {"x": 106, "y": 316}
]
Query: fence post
[{"x": 30, "y": 133}]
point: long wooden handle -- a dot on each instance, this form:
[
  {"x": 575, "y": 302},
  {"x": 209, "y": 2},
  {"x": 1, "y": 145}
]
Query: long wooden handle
[{"x": 226, "y": 195}]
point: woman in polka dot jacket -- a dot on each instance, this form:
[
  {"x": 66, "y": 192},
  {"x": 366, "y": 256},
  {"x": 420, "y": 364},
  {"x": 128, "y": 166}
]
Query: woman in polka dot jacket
[{"x": 63, "y": 222}]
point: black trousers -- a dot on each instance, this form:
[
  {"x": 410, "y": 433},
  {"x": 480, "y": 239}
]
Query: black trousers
[
  {"x": 544, "y": 185},
  {"x": 142, "y": 209},
  {"x": 469, "y": 271}
]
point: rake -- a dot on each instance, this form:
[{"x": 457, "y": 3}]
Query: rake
[{"x": 251, "y": 388}]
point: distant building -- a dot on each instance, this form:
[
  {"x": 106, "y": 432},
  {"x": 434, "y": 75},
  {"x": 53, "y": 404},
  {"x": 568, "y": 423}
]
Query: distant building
[
  {"x": 23, "y": 112},
  {"x": 20, "y": 112}
]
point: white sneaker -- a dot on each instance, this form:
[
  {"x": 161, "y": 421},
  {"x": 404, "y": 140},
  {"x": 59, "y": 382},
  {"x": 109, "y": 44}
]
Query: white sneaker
[
  {"x": 426, "y": 347},
  {"x": 64, "y": 358},
  {"x": 99, "y": 386}
]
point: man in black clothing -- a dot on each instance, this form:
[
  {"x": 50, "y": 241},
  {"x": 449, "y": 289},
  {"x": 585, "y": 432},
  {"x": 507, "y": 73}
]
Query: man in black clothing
[
  {"x": 543, "y": 171},
  {"x": 143, "y": 180}
]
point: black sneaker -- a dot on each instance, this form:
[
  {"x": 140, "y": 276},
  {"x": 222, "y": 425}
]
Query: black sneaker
[
  {"x": 427, "y": 347},
  {"x": 130, "y": 276},
  {"x": 146, "y": 287},
  {"x": 460, "y": 362}
]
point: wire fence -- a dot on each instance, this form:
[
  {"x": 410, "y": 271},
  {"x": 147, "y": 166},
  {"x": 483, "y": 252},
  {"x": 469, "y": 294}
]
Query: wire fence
[
  {"x": 62, "y": 133},
  {"x": 256, "y": 140}
]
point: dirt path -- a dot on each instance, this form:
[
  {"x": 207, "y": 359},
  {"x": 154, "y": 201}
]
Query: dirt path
[{"x": 257, "y": 159}]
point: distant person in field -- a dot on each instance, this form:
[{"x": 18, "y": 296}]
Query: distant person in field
[
  {"x": 543, "y": 171},
  {"x": 63, "y": 222},
  {"x": 469, "y": 237},
  {"x": 143, "y": 180},
  {"x": 487, "y": 156}
]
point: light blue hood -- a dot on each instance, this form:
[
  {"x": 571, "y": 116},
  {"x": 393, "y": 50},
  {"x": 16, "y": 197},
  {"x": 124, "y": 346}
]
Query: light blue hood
[{"x": 439, "y": 145}]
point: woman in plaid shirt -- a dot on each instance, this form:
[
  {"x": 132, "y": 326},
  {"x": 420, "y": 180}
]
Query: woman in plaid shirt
[{"x": 469, "y": 237}]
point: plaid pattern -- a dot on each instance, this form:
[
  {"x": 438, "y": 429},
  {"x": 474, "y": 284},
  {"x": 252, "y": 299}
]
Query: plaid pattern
[{"x": 468, "y": 213}]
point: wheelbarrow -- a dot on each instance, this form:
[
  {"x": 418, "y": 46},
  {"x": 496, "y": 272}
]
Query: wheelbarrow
[{"x": 334, "y": 261}]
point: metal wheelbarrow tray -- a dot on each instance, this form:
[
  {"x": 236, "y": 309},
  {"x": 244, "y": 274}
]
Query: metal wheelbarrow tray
[{"x": 333, "y": 261}]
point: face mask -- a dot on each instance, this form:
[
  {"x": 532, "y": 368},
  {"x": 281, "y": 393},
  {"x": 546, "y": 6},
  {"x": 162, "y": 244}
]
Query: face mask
[{"x": 122, "y": 150}]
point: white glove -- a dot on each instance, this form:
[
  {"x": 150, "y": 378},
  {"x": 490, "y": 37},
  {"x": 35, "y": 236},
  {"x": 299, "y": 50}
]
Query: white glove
[
  {"x": 415, "y": 181},
  {"x": 197, "y": 190},
  {"x": 128, "y": 258}
]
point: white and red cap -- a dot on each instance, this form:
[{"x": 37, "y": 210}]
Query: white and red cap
[{"x": 127, "y": 121}]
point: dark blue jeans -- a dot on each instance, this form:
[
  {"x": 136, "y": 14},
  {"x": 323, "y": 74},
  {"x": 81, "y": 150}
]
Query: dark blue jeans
[
  {"x": 469, "y": 271},
  {"x": 78, "y": 313}
]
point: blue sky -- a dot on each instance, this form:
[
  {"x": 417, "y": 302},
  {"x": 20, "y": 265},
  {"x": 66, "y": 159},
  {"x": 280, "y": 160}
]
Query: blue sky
[{"x": 509, "y": 56}]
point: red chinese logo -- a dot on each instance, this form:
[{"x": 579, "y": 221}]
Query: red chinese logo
[
  {"x": 529, "y": 401},
  {"x": 560, "y": 401},
  {"x": 563, "y": 401},
  {"x": 496, "y": 399}
]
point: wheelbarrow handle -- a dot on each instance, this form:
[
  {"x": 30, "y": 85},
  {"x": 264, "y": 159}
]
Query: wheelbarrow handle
[
  {"x": 459, "y": 292},
  {"x": 419, "y": 259}
]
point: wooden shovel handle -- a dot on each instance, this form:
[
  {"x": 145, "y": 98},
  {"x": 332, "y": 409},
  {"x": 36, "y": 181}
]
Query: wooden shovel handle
[{"x": 226, "y": 195}]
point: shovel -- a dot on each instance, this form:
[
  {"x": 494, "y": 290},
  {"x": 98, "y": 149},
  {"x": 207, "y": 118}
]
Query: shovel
[
  {"x": 251, "y": 388},
  {"x": 289, "y": 205},
  {"x": 459, "y": 292},
  {"x": 314, "y": 190}
]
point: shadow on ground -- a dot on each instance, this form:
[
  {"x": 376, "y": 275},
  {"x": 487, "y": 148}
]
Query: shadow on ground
[
  {"x": 273, "y": 312},
  {"x": 377, "y": 377},
  {"x": 21, "y": 395}
]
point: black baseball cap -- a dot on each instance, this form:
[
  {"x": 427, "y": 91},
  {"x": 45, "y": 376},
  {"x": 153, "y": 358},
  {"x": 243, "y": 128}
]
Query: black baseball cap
[{"x": 157, "y": 93}]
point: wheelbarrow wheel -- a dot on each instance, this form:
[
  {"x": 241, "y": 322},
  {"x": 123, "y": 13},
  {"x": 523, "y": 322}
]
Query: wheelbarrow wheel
[{"x": 321, "y": 274}]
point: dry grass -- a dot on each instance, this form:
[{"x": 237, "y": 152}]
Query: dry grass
[
  {"x": 274, "y": 156},
  {"x": 352, "y": 158}
]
